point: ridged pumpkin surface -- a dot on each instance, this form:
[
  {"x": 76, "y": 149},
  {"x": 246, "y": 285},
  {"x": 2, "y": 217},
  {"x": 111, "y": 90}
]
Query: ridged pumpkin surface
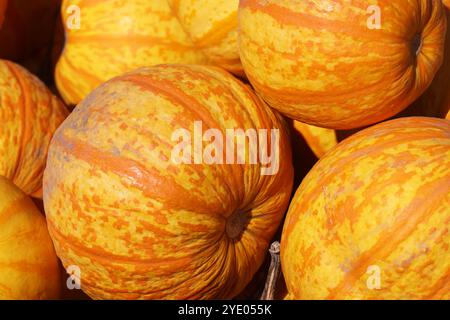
[
  {"x": 212, "y": 27},
  {"x": 140, "y": 226},
  {"x": 29, "y": 115},
  {"x": 318, "y": 62},
  {"x": 435, "y": 102},
  {"x": 381, "y": 198},
  {"x": 29, "y": 267},
  {"x": 118, "y": 36}
]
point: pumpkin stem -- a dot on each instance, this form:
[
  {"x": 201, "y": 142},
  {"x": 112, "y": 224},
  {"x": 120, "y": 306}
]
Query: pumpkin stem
[{"x": 274, "y": 272}]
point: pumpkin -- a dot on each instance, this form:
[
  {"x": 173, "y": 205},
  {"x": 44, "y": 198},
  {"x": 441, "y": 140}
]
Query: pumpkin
[
  {"x": 212, "y": 27},
  {"x": 435, "y": 102},
  {"x": 3, "y": 4},
  {"x": 318, "y": 62},
  {"x": 142, "y": 224},
  {"x": 28, "y": 263},
  {"x": 29, "y": 115},
  {"x": 371, "y": 219},
  {"x": 320, "y": 140},
  {"x": 118, "y": 36},
  {"x": 447, "y": 3}
]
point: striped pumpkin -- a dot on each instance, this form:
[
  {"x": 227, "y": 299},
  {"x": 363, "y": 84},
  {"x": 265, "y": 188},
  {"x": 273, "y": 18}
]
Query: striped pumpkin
[
  {"x": 117, "y": 36},
  {"x": 28, "y": 264},
  {"x": 212, "y": 27},
  {"x": 318, "y": 62},
  {"x": 377, "y": 207},
  {"x": 29, "y": 115},
  {"x": 3, "y": 4},
  {"x": 147, "y": 227}
]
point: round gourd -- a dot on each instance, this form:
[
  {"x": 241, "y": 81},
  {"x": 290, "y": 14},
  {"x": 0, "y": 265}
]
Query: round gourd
[
  {"x": 29, "y": 115},
  {"x": 212, "y": 27},
  {"x": 343, "y": 64},
  {"x": 141, "y": 226},
  {"x": 28, "y": 264},
  {"x": 371, "y": 219}
]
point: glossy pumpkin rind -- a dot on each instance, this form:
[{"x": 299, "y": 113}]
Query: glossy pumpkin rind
[
  {"x": 29, "y": 115},
  {"x": 381, "y": 198},
  {"x": 28, "y": 264},
  {"x": 142, "y": 227},
  {"x": 318, "y": 62}
]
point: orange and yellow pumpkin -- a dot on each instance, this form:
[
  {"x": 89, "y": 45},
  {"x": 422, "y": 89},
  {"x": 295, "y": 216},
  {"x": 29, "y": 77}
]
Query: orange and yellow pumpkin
[
  {"x": 371, "y": 219},
  {"x": 29, "y": 115},
  {"x": 141, "y": 225},
  {"x": 118, "y": 36},
  {"x": 212, "y": 27},
  {"x": 332, "y": 65},
  {"x": 28, "y": 264},
  {"x": 435, "y": 102}
]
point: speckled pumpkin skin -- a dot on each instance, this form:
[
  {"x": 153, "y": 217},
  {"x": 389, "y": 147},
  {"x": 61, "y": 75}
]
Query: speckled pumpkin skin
[
  {"x": 319, "y": 63},
  {"x": 29, "y": 115},
  {"x": 142, "y": 227},
  {"x": 29, "y": 267},
  {"x": 381, "y": 198},
  {"x": 212, "y": 27},
  {"x": 118, "y": 36}
]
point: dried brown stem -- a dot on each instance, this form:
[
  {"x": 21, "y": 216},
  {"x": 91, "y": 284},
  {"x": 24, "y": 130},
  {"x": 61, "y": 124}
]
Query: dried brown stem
[{"x": 274, "y": 272}]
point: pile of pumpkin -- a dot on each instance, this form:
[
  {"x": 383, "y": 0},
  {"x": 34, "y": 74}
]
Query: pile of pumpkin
[{"x": 363, "y": 140}]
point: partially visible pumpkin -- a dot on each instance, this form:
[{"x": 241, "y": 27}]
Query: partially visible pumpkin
[
  {"x": 376, "y": 207},
  {"x": 319, "y": 63},
  {"x": 447, "y": 3},
  {"x": 114, "y": 37},
  {"x": 29, "y": 115},
  {"x": 320, "y": 140},
  {"x": 28, "y": 263},
  {"x": 435, "y": 102},
  {"x": 212, "y": 27},
  {"x": 147, "y": 227},
  {"x": 3, "y": 4}
]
